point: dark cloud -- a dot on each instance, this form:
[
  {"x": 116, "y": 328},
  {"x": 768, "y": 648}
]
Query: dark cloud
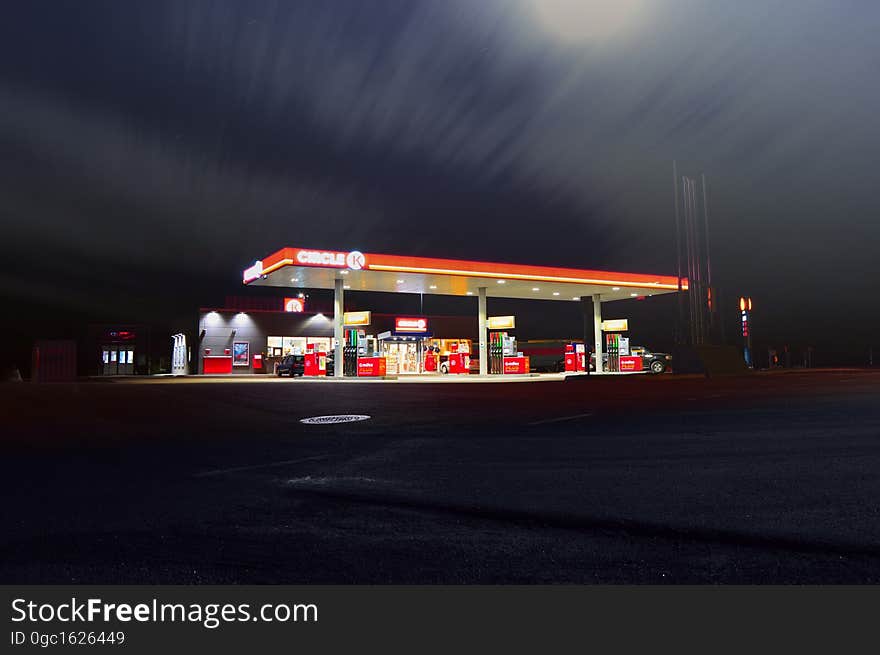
[{"x": 161, "y": 146}]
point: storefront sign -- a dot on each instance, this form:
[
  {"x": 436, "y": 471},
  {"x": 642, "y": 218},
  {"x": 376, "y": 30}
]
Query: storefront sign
[
  {"x": 615, "y": 325},
  {"x": 352, "y": 319},
  {"x": 354, "y": 260},
  {"x": 296, "y": 305},
  {"x": 253, "y": 272},
  {"x": 413, "y": 325},
  {"x": 501, "y": 322}
]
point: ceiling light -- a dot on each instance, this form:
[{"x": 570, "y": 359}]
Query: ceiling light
[
  {"x": 555, "y": 293},
  {"x": 501, "y": 281},
  {"x": 576, "y": 298},
  {"x": 470, "y": 293},
  {"x": 615, "y": 288},
  {"x": 346, "y": 286},
  {"x": 400, "y": 282},
  {"x": 294, "y": 279},
  {"x": 634, "y": 295},
  {"x": 535, "y": 289},
  {"x": 344, "y": 272},
  {"x": 433, "y": 286}
]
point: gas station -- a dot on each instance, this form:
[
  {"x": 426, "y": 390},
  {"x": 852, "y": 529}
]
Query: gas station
[{"x": 357, "y": 354}]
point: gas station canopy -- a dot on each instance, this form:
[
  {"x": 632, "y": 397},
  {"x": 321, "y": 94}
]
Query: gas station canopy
[{"x": 303, "y": 268}]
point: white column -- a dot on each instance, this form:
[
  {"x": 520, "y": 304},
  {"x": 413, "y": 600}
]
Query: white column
[
  {"x": 481, "y": 319},
  {"x": 597, "y": 331},
  {"x": 338, "y": 328}
]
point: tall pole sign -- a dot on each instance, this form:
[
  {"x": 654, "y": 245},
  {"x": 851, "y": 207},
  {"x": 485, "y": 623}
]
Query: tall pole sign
[{"x": 745, "y": 311}]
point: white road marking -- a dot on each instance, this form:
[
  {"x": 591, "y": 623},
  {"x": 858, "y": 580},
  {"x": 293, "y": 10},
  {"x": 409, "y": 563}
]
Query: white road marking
[
  {"x": 334, "y": 419},
  {"x": 237, "y": 469},
  {"x": 561, "y": 418}
]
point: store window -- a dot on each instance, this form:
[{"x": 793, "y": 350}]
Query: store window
[
  {"x": 281, "y": 346},
  {"x": 131, "y": 357},
  {"x": 274, "y": 346},
  {"x": 113, "y": 356},
  {"x": 322, "y": 344},
  {"x": 106, "y": 357}
]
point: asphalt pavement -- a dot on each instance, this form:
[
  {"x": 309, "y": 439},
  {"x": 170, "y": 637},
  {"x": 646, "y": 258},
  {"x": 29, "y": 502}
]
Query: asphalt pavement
[{"x": 773, "y": 478}]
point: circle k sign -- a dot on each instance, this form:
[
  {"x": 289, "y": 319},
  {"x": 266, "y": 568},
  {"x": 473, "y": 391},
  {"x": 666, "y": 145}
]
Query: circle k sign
[{"x": 355, "y": 260}]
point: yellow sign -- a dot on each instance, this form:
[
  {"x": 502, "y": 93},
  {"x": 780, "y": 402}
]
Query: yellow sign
[
  {"x": 356, "y": 318},
  {"x": 502, "y": 322},
  {"x": 615, "y": 325}
]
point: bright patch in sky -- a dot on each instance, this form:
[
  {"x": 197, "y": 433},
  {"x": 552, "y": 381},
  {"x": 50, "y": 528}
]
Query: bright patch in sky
[{"x": 588, "y": 21}]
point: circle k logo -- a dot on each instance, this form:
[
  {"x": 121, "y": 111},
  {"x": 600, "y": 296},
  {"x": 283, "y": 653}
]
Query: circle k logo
[{"x": 355, "y": 260}]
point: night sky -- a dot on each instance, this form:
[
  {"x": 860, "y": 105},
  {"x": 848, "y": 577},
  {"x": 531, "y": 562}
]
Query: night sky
[{"x": 152, "y": 150}]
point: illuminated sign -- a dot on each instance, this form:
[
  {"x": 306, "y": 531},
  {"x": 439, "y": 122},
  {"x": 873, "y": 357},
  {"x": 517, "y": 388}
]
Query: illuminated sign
[
  {"x": 501, "y": 322},
  {"x": 253, "y": 272},
  {"x": 416, "y": 325},
  {"x": 356, "y": 318},
  {"x": 295, "y": 305},
  {"x": 354, "y": 260},
  {"x": 615, "y": 325}
]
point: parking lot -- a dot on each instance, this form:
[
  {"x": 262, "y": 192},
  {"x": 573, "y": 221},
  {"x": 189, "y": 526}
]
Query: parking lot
[{"x": 642, "y": 479}]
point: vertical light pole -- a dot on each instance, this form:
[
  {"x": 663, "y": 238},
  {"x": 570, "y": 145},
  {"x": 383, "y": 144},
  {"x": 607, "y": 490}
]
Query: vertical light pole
[{"x": 745, "y": 311}]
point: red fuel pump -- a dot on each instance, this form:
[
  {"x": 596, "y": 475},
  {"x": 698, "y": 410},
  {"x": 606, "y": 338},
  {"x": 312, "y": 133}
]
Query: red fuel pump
[{"x": 575, "y": 357}]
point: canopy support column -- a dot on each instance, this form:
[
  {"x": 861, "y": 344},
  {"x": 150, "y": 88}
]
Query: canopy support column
[
  {"x": 597, "y": 332},
  {"x": 338, "y": 327},
  {"x": 481, "y": 318}
]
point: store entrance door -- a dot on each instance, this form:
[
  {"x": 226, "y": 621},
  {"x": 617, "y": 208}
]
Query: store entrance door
[
  {"x": 117, "y": 359},
  {"x": 403, "y": 357}
]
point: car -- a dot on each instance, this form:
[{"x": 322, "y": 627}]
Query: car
[
  {"x": 655, "y": 363},
  {"x": 652, "y": 362},
  {"x": 291, "y": 365}
]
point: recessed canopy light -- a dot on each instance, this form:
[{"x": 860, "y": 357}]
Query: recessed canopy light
[
  {"x": 615, "y": 288},
  {"x": 535, "y": 289},
  {"x": 344, "y": 272},
  {"x": 470, "y": 293},
  {"x": 576, "y": 298},
  {"x": 400, "y": 282},
  {"x": 555, "y": 293},
  {"x": 433, "y": 286},
  {"x": 294, "y": 279},
  {"x": 346, "y": 286},
  {"x": 634, "y": 295},
  {"x": 501, "y": 281}
]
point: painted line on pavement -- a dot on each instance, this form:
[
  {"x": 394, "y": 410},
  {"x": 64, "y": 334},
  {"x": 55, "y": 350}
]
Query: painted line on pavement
[
  {"x": 561, "y": 418},
  {"x": 238, "y": 469}
]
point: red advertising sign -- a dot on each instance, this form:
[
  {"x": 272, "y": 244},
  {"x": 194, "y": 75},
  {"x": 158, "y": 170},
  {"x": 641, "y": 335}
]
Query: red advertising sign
[
  {"x": 369, "y": 367},
  {"x": 410, "y": 324},
  {"x": 516, "y": 364},
  {"x": 295, "y": 305},
  {"x": 630, "y": 364}
]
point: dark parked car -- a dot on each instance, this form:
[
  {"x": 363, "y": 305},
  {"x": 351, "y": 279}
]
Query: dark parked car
[
  {"x": 651, "y": 362},
  {"x": 291, "y": 365}
]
